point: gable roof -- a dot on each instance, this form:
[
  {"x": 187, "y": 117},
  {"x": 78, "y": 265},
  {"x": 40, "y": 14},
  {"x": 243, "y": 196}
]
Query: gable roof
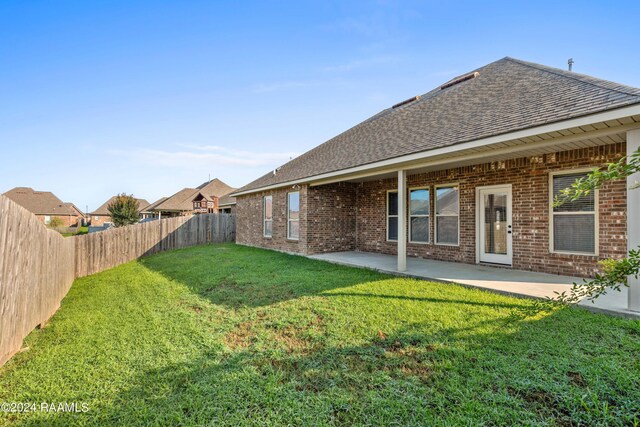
[
  {"x": 504, "y": 96},
  {"x": 154, "y": 204},
  {"x": 40, "y": 202},
  {"x": 103, "y": 209},
  {"x": 183, "y": 199}
]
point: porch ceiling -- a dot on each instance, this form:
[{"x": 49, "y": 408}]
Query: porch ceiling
[{"x": 602, "y": 133}]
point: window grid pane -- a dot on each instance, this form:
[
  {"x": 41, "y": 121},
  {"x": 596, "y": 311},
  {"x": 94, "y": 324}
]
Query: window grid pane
[
  {"x": 420, "y": 229},
  {"x": 583, "y": 204},
  {"x": 574, "y": 233},
  {"x": 392, "y": 215},
  {"x": 447, "y": 201},
  {"x": 419, "y": 202},
  {"x": 392, "y": 228}
]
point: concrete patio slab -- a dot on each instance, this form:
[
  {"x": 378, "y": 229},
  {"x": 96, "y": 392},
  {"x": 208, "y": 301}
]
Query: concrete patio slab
[{"x": 519, "y": 283}]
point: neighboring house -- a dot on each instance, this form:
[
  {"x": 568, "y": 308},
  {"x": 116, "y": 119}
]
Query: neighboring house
[
  {"x": 149, "y": 210},
  {"x": 46, "y": 206},
  {"x": 190, "y": 201},
  {"x": 466, "y": 173},
  {"x": 227, "y": 204},
  {"x": 101, "y": 215}
]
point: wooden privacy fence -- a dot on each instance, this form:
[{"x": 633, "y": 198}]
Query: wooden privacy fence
[
  {"x": 100, "y": 251},
  {"x": 38, "y": 265},
  {"x": 36, "y": 271}
]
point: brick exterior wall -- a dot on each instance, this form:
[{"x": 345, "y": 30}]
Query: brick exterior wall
[
  {"x": 332, "y": 218},
  {"x": 249, "y": 221},
  {"x": 67, "y": 221},
  {"x": 345, "y": 216},
  {"x": 99, "y": 220}
]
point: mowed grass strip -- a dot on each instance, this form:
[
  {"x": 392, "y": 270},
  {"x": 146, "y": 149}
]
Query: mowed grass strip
[{"x": 229, "y": 335}]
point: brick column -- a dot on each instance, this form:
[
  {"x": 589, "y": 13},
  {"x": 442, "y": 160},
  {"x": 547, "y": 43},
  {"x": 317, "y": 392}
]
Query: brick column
[
  {"x": 402, "y": 220},
  {"x": 633, "y": 218}
]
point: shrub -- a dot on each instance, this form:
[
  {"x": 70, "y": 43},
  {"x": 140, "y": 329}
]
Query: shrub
[{"x": 124, "y": 210}]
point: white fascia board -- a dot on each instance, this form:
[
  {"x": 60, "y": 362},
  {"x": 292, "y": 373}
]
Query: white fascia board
[{"x": 524, "y": 133}]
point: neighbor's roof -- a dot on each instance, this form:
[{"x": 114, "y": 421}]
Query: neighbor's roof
[
  {"x": 103, "y": 210},
  {"x": 154, "y": 204},
  {"x": 40, "y": 202},
  {"x": 226, "y": 200},
  {"x": 183, "y": 199},
  {"x": 505, "y": 96}
]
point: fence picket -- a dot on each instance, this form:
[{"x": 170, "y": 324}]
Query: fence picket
[{"x": 38, "y": 265}]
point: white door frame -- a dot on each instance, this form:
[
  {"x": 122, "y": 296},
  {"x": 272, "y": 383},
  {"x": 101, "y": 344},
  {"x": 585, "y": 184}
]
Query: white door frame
[{"x": 506, "y": 259}]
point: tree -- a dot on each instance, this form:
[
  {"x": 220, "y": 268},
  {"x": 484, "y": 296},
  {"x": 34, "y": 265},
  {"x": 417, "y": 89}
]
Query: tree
[
  {"x": 124, "y": 210},
  {"x": 56, "y": 222},
  {"x": 615, "y": 271}
]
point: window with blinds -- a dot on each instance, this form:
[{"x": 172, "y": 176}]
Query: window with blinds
[
  {"x": 447, "y": 211},
  {"x": 573, "y": 224},
  {"x": 419, "y": 215}
]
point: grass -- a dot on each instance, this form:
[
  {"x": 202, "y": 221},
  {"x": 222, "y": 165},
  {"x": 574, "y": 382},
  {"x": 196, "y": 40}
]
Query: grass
[
  {"x": 80, "y": 231},
  {"x": 228, "y": 335}
]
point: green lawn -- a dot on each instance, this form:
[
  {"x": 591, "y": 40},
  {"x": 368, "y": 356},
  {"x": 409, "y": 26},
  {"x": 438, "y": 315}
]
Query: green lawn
[
  {"x": 80, "y": 231},
  {"x": 231, "y": 335}
]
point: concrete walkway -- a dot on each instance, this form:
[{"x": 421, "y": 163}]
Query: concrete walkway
[{"x": 502, "y": 280}]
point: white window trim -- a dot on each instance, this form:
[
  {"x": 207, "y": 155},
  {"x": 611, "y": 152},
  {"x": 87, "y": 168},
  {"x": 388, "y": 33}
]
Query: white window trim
[
  {"x": 264, "y": 216},
  {"x": 435, "y": 213},
  {"x": 428, "y": 188},
  {"x": 595, "y": 212},
  {"x": 289, "y": 220},
  {"x": 387, "y": 216}
]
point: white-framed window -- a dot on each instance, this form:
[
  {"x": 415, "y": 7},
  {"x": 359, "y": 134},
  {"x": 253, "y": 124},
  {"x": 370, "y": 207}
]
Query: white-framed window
[
  {"x": 392, "y": 216},
  {"x": 47, "y": 219},
  {"x": 267, "y": 216},
  {"x": 293, "y": 215},
  {"x": 419, "y": 210},
  {"x": 573, "y": 225},
  {"x": 447, "y": 209}
]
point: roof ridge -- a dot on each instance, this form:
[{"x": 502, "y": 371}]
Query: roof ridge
[{"x": 574, "y": 76}]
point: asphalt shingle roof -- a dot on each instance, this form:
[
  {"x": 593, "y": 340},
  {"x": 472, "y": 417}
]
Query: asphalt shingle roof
[
  {"x": 40, "y": 202},
  {"x": 103, "y": 209},
  {"x": 505, "y": 96},
  {"x": 183, "y": 199}
]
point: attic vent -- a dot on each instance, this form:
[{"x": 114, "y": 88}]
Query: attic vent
[
  {"x": 459, "y": 80},
  {"x": 406, "y": 101}
]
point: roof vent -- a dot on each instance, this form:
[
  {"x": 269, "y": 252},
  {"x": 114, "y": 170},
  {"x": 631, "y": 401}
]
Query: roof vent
[
  {"x": 406, "y": 101},
  {"x": 460, "y": 80}
]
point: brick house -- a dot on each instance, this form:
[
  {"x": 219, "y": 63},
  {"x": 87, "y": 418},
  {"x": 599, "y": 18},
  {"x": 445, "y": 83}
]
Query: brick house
[
  {"x": 46, "y": 206},
  {"x": 189, "y": 201},
  {"x": 101, "y": 215},
  {"x": 467, "y": 173}
]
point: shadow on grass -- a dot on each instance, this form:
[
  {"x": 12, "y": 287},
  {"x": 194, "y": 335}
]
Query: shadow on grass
[
  {"x": 319, "y": 344},
  {"x": 260, "y": 277},
  {"x": 485, "y": 373}
]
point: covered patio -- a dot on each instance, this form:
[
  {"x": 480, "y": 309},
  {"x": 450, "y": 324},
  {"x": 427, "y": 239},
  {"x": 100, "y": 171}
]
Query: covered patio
[{"x": 501, "y": 280}]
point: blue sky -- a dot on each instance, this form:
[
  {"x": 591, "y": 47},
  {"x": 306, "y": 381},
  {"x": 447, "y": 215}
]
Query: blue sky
[{"x": 98, "y": 98}]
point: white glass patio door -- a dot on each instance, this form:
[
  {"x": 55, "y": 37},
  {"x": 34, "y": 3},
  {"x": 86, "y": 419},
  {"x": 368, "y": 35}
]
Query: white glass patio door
[{"x": 494, "y": 224}]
